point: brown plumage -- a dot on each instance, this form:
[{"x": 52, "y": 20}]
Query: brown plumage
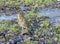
[{"x": 22, "y": 21}]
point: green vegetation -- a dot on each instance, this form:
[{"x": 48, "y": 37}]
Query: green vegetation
[
  {"x": 29, "y": 2},
  {"x": 43, "y": 28},
  {"x": 6, "y": 24},
  {"x": 37, "y": 2},
  {"x": 39, "y": 25}
]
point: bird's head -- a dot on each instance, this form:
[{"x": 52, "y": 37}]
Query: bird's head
[{"x": 20, "y": 12}]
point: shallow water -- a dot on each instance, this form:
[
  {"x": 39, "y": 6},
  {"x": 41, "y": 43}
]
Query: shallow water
[
  {"x": 4, "y": 17},
  {"x": 53, "y": 13}
]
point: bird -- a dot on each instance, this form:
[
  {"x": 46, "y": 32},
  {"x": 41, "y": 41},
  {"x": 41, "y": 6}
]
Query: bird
[{"x": 23, "y": 23}]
